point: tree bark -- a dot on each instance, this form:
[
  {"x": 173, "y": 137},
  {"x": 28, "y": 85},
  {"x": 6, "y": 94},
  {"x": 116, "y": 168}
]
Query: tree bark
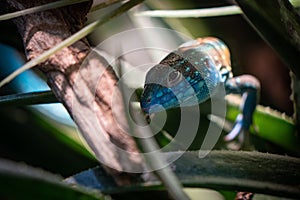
[{"x": 86, "y": 87}]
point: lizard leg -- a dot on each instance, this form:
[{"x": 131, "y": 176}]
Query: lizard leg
[{"x": 248, "y": 86}]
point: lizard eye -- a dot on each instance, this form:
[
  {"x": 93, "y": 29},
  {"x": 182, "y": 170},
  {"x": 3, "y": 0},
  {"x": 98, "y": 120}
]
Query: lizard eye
[
  {"x": 208, "y": 63},
  {"x": 174, "y": 77}
]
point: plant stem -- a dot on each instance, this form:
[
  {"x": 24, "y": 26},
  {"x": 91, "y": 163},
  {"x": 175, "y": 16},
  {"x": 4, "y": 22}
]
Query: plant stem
[{"x": 29, "y": 98}]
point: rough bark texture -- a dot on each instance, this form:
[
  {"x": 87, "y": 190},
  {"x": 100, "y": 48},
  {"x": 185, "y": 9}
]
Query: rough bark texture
[{"x": 77, "y": 86}]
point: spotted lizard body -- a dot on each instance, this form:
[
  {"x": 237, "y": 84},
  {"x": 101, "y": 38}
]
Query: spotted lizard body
[{"x": 192, "y": 74}]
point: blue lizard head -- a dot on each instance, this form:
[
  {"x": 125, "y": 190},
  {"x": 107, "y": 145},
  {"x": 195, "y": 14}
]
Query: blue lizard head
[{"x": 181, "y": 79}]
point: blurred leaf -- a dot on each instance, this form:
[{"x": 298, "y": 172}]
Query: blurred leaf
[
  {"x": 204, "y": 12},
  {"x": 147, "y": 144},
  {"x": 200, "y": 193},
  {"x": 19, "y": 181},
  {"x": 34, "y": 139},
  {"x": 278, "y": 23}
]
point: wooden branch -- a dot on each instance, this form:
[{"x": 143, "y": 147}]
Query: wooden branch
[{"x": 87, "y": 89}]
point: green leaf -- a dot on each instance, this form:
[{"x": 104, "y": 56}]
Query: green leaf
[
  {"x": 20, "y": 181},
  {"x": 31, "y": 137},
  {"x": 41, "y": 97},
  {"x": 268, "y": 124}
]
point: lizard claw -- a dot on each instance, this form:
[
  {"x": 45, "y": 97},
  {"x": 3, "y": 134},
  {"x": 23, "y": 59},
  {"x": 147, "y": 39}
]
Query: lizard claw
[
  {"x": 237, "y": 129},
  {"x": 249, "y": 87}
]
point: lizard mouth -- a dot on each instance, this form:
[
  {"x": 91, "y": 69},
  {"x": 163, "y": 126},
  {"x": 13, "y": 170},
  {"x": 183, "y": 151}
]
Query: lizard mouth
[{"x": 149, "y": 106}]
